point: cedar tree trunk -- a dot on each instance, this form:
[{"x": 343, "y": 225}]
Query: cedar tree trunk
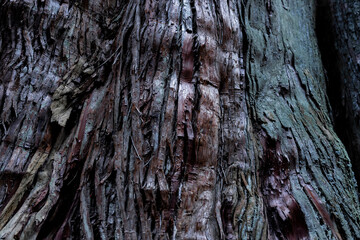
[{"x": 170, "y": 119}]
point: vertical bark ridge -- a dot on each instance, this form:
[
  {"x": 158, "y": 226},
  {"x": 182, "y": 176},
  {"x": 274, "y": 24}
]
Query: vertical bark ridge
[{"x": 241, "y": 205}]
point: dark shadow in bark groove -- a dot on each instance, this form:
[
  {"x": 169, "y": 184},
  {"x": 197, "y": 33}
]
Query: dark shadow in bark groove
[{"x": 326, "y": 37}]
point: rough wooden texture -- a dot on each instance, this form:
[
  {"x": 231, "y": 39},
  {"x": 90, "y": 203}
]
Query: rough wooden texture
[
  {"x": 302, "y": 157},
  {"x": 339, "y": 34},
  {"x": 168, "y": 120}
]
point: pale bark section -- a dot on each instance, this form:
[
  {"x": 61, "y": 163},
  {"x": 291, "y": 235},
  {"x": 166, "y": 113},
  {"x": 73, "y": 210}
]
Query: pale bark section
[{"x": 168, "y": 120}]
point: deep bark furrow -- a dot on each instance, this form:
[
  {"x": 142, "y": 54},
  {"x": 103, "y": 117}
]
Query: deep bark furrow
[{"x": 338, "y": 33}]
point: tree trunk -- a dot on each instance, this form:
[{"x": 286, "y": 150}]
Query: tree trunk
[
  {"x": 339, "y": 39},
  {"x": 168, "y": 120}
]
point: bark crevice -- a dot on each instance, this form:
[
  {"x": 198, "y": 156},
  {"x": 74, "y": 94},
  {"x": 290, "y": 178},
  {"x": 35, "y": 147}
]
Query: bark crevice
[{"x": 337, "y": 35}]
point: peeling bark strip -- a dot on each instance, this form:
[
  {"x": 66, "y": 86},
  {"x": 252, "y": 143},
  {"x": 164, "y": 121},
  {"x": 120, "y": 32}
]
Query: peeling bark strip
[
  {"x": 287, "y": 221},
  {"x": 168, "y": 120}
]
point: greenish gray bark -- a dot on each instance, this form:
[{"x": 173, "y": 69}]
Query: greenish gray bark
[
  {"x": 339, "y": 33},
  {"x": 168, "y": 120},
  {"x": 306, "y": 159}
]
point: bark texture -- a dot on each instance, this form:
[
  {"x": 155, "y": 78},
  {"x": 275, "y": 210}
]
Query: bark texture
[
  {"x": 168, "y": 120},
  {"x": 339, "y": 32}
]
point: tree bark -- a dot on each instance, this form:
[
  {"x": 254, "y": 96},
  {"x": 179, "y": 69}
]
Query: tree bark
[
  {"x": 168, "y": 120},
  {"x": 339, "y": 33}
]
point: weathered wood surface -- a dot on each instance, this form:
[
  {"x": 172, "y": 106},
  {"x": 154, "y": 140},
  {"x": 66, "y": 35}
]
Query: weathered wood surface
[
  {"x": 339, "y": 27},
  {"x": 168, "y": 120}
]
